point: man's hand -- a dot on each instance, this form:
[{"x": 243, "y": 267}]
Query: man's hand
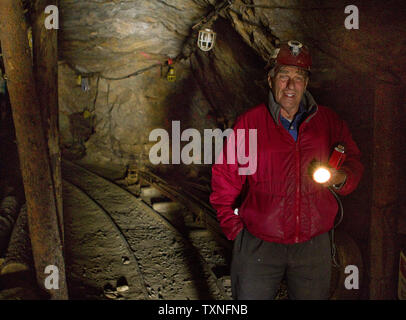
[{"x": 337, "y": 178}]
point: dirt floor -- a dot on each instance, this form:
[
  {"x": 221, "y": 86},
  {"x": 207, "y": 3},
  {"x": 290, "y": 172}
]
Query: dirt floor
[{"x": 111, "y": 237}]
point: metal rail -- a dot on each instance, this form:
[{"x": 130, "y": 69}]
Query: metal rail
[
  {"x": 120, "y": 233},
  {"x": 174, "y": 195},
  {"x": 201, "y": 210}
]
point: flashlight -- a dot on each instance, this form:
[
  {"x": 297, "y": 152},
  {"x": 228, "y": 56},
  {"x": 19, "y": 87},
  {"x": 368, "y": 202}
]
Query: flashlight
[
  {"x": 337, "y": 157},
  {"x": 322, "y": 174}
]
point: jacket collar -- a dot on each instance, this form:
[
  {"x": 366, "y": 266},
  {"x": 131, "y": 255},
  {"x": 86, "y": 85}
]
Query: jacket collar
[{"x": 275, "y": 108}]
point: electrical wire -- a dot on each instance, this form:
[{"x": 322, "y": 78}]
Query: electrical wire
[
  {"x": 341, "y": 216},
  {"x": 134, "y": 73},
  {"x": 286, "y": 7}
]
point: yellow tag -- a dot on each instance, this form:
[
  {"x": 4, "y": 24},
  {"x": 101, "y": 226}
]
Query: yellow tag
[
  {"x": 79, "y": 80},
  {"x": 29, "y": 35},
  {"x": 86, "y": 114}
]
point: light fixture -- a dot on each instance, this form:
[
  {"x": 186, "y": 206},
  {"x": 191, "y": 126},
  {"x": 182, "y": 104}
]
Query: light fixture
[
  {"x": 171, "y": 75},
  {"x": 206, "y": 39},
  {"x": 85, "y": 84},
  {"x": 295, "y": 47}
]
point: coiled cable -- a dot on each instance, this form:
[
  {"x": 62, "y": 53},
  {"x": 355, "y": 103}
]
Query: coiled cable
[{"x": 341, "y": 216}]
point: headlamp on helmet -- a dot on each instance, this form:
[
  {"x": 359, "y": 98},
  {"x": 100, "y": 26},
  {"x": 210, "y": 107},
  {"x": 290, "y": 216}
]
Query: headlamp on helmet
[
  {"x": 295, "y": 47},
  {"x": 292, "y": 53}
]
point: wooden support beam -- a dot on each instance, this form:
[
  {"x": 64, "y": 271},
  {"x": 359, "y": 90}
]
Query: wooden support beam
[
  {"x": 383, "y": 228},
  {"x": 45, "y": 50},
  {"x": 32, "y": 147}
]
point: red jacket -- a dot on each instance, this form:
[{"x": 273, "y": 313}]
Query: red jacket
[{"x": 281, "y": 203}]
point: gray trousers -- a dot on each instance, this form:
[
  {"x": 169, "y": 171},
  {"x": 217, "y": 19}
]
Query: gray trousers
[{"x": 258, "y": 267}]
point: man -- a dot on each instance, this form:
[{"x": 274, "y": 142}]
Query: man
[{"x": 281, "y": 227}]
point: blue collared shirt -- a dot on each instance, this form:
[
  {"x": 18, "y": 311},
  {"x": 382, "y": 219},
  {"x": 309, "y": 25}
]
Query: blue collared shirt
[{"x": 293, "y": 126}]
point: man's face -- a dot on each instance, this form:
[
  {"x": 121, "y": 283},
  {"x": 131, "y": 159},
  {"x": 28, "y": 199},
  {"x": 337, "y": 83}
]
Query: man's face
[{"x": 288, "y": 86}]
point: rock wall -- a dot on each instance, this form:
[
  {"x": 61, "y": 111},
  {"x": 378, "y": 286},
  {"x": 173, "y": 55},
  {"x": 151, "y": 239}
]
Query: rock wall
[{"x": 109, "y": 125}]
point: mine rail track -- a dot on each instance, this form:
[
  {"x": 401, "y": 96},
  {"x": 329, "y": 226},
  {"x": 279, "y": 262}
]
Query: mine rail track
[
  {"x": 119, "y": 232},
  {"x": 202, "y": 211},
  {"x": 74, "y": 173}
]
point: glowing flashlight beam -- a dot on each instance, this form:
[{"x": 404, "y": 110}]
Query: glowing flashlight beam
[{"x": 321, "y": 175}]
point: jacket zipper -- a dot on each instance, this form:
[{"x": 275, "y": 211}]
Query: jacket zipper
[
  {"x": 297, "y": 180},
  {"x": 297, "y": 198},
  {"x": 297, "y": 158},
  {"x": 298, "y": 175}
]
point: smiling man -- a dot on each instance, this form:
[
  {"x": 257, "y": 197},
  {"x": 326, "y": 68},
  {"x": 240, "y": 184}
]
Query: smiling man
[
  {"x": 281, "y": 228},
  {"x": 288, "y": 86}
]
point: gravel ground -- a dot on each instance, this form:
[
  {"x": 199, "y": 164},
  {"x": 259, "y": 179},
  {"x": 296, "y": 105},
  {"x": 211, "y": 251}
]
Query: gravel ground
[{"x": 171, "y": 268}]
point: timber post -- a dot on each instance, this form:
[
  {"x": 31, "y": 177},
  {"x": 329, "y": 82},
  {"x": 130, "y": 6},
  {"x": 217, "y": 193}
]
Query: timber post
[
  {"x": 385, "y": 184},
  {"x": 32, "y": 149},
  {"x": 45, "y": 50}
]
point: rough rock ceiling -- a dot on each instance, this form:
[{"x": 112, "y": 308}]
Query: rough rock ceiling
[{"x": 101, "y": 36}]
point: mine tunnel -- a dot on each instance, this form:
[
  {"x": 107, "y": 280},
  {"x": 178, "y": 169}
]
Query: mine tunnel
[{"x": 107, "y": 159}]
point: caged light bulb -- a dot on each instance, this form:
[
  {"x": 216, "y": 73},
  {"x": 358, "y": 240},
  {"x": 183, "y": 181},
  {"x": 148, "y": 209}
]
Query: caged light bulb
[{"x": 206, "y": 39}]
